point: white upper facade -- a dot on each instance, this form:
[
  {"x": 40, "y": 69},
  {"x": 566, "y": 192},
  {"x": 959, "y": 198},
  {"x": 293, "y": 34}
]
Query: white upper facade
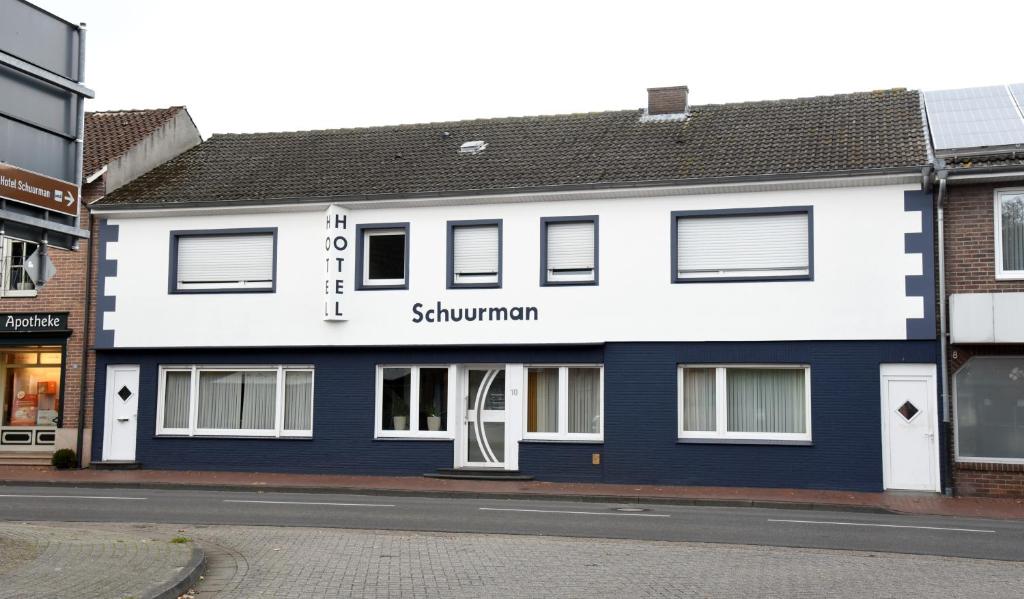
[{"x": 857, "y": 288}]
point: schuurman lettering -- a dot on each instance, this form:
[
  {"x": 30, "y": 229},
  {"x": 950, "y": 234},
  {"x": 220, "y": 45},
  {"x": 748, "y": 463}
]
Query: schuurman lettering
[{"x": 439, "y": 313}]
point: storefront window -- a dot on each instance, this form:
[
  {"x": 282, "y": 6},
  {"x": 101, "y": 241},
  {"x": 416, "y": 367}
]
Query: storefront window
[
  {"x": 31, "y": 386},
  {"x": 990, "y": 409}
]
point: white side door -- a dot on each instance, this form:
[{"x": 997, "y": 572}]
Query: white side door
[
  {"x": 910, "y": 444},
  {"x": 121, "y": 413}
]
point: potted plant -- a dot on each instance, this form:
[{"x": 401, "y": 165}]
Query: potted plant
[
  {"x": 433, "y": 420},
  {"x": 399, "y": 407}
]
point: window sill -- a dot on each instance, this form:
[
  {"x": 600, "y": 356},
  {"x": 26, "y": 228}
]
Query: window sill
[
  {"x": 569, "y": 284},
  {"x": 412, "y": 438},
  {"x": 764, "y": 279},
  {"x": 474, "y": 286},
  {"x": 366, "y": 287},
  {"x": 726, "y": 441},
  {"x": 563, "y": 441},
  {"x": 1010, "y": 276},
  {"x": 263, "y": 437},
  {"x": 223, "y": 290}
]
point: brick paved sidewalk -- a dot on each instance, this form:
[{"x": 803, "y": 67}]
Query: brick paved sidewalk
[
  {"x": 113, "y": 561},
  {"x": 911, "y": 503}
]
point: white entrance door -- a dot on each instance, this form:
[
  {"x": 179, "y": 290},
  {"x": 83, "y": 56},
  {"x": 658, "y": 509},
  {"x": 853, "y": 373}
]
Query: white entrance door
[
  {"x": 910, "y": 445},
  {"x": 122, "y": 411},
  {"x": 485, "y": 430}
]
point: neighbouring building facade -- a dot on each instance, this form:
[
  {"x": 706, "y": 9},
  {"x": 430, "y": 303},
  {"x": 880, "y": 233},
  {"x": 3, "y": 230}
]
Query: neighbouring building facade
[
  {"x": 978, "y": 135},
  {"x": 47, "y": 370},
  {"x": 738, "y": 294},
  {"x": 43, "y": 232}
]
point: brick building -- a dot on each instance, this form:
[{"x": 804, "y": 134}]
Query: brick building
[
  {"x": 978, "y": 135},
  {"x": 46, "y": 366}
]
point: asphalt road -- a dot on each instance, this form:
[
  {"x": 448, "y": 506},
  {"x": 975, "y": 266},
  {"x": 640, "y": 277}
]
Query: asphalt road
[{"x": 925, "y": 535}]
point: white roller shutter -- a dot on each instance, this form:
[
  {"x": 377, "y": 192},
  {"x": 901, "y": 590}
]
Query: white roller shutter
[
  {"x": 475, "y": 252},
  {"x": 767, "y": 245},
  {"x": 211, "y": 261},
  {"x": 571, "y": 246}
]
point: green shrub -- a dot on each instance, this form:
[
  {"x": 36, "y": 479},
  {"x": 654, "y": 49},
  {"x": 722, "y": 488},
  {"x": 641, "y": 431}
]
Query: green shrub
[{"x": 64, "y": 459}]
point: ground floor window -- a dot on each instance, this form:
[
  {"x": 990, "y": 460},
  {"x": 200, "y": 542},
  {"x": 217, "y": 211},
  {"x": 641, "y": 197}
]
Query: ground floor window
[
  {"x": 745, "y": 402},
  {"x": 564, "y": 403},
  {"x": 273, "y": 401},
  {"x": 989, "y": 392},
  {"x": 31, "y": 386},
  {"x": 412, "y": 401}
]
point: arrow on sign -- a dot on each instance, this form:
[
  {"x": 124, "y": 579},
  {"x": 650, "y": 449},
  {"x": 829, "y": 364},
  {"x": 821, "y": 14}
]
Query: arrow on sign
[{"x": 71, "y": 198}]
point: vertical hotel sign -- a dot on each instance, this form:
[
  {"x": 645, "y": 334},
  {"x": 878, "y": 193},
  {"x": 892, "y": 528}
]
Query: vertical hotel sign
[{"x": 338, "y": 263}]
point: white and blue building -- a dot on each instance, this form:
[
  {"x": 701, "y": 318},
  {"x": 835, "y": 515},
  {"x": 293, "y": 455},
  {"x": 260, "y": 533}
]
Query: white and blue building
[{"x": 738, "y": 294}]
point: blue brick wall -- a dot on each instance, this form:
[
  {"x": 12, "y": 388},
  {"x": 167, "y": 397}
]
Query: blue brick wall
[{"x": 640, "y": 415}]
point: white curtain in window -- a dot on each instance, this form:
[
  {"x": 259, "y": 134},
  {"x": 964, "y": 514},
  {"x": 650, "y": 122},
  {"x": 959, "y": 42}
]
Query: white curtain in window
[
  {"x": 699, "y": 399},
  {"x": 570, "y": 246},
  {"x": 475, "y": 250},
  {"x": 1013, "y": 231},
  {"x": 761, "y": 242},
  {"x": 543, "y": 401},
  {"x": 584, "y": 400},
  {"x": 765, "y": 400},
  {"x": 177, "y": 387},
  {"x": 226, "y": 258},
  {"x": 298, "y": 401},
  {"x": 258, "y": 399},
  {"x": 220, "y": 399}
]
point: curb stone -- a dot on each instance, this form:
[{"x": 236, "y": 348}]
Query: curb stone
[
  {"x": 587, "y": 498},
  {"x": 185, "y": 579}
]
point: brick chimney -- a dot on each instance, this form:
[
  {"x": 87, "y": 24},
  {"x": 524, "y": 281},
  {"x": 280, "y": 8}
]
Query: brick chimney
[{"x": 666, "y": 100}]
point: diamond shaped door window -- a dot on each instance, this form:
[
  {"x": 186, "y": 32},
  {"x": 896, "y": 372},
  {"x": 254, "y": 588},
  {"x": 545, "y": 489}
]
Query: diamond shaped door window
[
  {"x": 124, "y": 393},
  {"x": 908, "y": 410}
]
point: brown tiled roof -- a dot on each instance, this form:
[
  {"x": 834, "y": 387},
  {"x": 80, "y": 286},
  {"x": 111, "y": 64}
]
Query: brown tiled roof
[
  {"x": 824, "y": 135},
  {"x": 1013, "y": 161},
  {"x": 111, "y": 133}
]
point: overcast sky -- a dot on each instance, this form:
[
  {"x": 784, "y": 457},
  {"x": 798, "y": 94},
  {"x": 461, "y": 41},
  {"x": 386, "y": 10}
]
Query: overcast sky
[{"x": 297, "y": 64}]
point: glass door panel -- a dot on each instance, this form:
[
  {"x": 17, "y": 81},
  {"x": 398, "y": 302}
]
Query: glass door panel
[{"x": 485, "y": 417}]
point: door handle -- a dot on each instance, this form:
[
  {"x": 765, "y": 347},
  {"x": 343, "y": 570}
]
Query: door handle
[{"x": 123, "y": 419}]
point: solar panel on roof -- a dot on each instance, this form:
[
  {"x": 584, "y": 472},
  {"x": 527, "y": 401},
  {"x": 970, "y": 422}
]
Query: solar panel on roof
[
  {"x": 976, "y": 117},
  {"x": 1017, "y": 89}
]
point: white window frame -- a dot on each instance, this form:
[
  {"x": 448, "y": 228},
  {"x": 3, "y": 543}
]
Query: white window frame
[
  {"x": 721, "y": 403},
  {"x": 5, "y": 269},
  {"x": 367, "y": 282},
  {"x": 563, "y": 433},
  {"x": 414, "y": 404},
  {"x": 997, "y": 221},
  {"x": 193, "y": 429}
]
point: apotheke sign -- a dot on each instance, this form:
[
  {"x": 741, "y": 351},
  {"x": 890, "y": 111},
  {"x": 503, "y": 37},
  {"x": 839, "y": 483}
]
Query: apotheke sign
[
  {"x": 33, "y": 322},
  {"x": 24, "y": 186}
]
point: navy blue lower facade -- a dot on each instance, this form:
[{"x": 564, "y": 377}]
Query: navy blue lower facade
[{"x": 640, "y": 445}]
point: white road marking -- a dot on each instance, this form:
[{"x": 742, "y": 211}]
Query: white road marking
[
  {"x": 882, "y": 525},
  {"x": 74, "y": 497},
  {"x": 310, "y": 503},
  {"x": 500, "y": 509}
]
